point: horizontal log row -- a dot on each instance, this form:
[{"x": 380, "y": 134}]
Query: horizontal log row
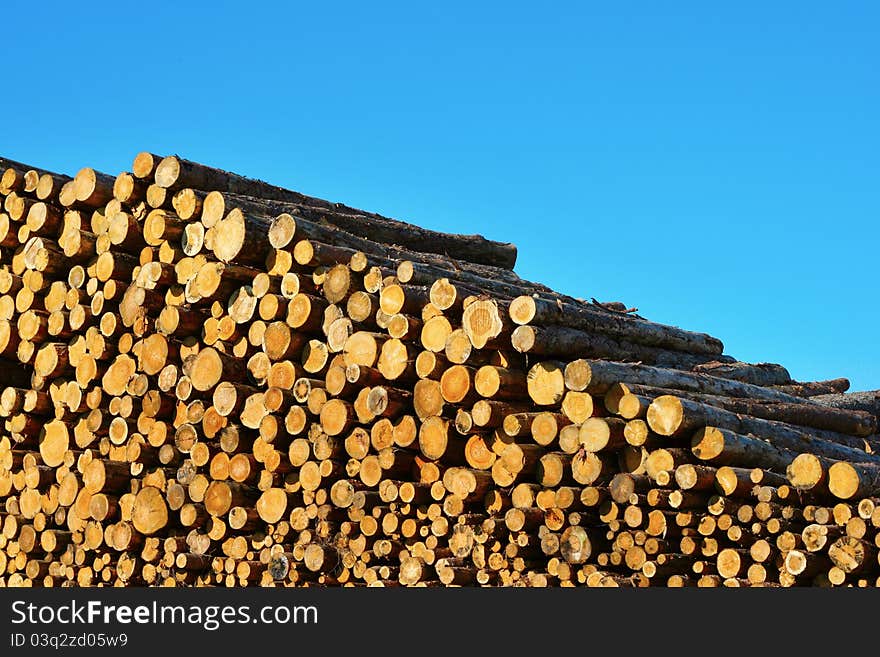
[{"x": 212, "y": 381}]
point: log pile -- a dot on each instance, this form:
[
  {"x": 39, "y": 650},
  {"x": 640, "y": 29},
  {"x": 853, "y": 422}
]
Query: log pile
[{"x": 208, "y": 380}]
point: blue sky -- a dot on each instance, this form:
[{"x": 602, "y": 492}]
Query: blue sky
[{"x": 717, "y": 167}]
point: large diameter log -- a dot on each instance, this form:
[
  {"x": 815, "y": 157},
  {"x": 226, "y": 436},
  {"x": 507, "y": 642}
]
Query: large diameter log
[
  {"x": 494, "y": 382},
  {"x": 670, "y": 415},
  {"x": 597, "y": 376},
  {"x": 599, "y": 434},
  {"x": 272, "y": 504},
  {"x": 427, "y": 398},
  {"x": 852, "y": 555},
  {"x": 54, "y": 442},
  {"x": 144, "y": 164},
  {"x": 93, "y": 188},
  {"x": 531, "y": 310},
  {"x": 434, "y": 438}
]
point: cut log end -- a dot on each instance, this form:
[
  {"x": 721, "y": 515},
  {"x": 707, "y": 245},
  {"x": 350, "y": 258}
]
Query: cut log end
[
  {"x": 805, "y": 471},
  {"x": 546, "y": 383},
  {"x": 843, "y": 480},
  {"x": 150, "y": 511},
  {"x": 707, "y": 443},
  {"x": 665, "y": 415}
]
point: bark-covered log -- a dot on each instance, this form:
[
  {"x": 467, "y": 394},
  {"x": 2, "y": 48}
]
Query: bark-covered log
[
  {"x": 529, "y": 310},
  {"x": 670, "y": 415},
  {"x": 759, "y": 374},
  {"x": 557, "y": 341},
  {"x": 806, "y": 414},
  {"x": 723, "y": 447},
  {"x": 814, "y": 388},
  {"x": 867, "y": 402},
  {"x": 598, "y": 376},
  {"x": 173, "y": 172}
]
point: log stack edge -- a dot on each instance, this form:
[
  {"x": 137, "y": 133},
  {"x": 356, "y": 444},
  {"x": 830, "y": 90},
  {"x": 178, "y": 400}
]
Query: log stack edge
[{"x": 209, "y": 380}]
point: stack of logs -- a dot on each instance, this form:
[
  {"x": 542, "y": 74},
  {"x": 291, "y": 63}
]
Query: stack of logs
[{"x": 209, "y": 380}]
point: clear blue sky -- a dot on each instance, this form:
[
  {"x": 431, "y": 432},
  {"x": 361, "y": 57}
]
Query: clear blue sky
[{"x": 717, "y": 167}]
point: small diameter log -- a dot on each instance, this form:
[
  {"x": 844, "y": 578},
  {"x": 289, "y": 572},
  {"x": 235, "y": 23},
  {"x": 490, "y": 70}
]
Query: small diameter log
[
  {"x": 598, "y": 376},
  {"x": 814, "y": 388},
  {"x": 805, "y": 414},
  {"x": 561, "y": 341},
  {"x": 351, "y": 222},
  {"x": 494, "y": 382},
  {"x": 530, "y": 310},
  {"x": 670, "y": 415},
  {"x": 723, "y": 447},
  {"x": 387, "y": 402},
  {"x": 759, "y": 374}
]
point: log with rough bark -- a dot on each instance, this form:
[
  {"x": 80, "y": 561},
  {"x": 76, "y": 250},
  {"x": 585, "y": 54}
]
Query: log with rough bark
[
  {"x": 529, "y": 310},
  {"x": 599, "y": 375},
  {"x": 814, "y": 388},
  {"x": 813, "y": 415},
  {"x": 867, "y": 402},
  {"x": 561, "y": 340},
  {"x": 174, "y": 172},
  {"x": 760, "y": 374},
  {"x": 670, "y": 415}
]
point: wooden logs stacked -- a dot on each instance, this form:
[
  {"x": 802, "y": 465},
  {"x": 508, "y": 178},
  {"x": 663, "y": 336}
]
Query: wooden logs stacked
[{"x": 209, "y": 380}]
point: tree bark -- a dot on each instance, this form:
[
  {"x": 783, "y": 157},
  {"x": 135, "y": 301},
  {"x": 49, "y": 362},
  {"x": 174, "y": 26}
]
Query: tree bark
[
  {"x": 866, "y": 402},
  {"x": 529, "y": 310},
  {"x": 597, "y": 376},
  {"x": 759, "y": 374},
  {"x": 806, "y": 414},
  {"x": 673, "y": 416}
]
